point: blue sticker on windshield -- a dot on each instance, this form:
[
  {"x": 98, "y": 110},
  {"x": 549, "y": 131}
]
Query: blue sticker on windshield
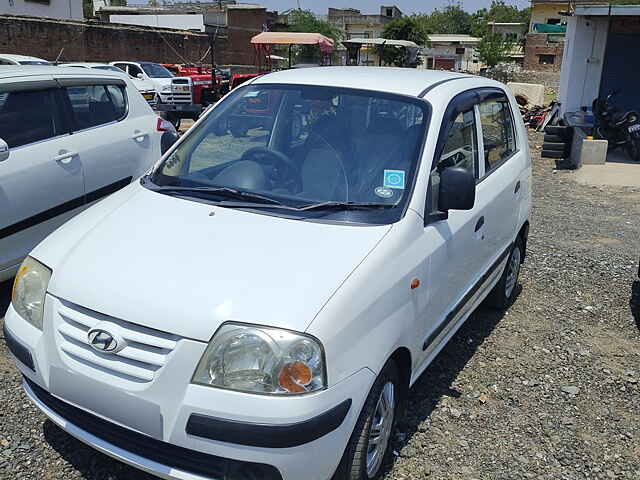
[{"x": 394, "y": 179}]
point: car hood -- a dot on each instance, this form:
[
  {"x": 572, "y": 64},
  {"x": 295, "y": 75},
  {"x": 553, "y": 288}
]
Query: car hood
[
  {"x": 143, "y": 85},
  {"x": 185, "y": 267}
]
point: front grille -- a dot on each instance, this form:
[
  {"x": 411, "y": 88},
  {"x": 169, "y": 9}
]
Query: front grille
[
  {"x": 146, "y": 352},
  {"x": 179, "y": 98},
  {"x": 155, "y": 450}
]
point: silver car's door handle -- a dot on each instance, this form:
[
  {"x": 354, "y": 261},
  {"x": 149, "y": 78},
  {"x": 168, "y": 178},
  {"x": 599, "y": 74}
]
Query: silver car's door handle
[
  {"x": 139, "y": 136},
  {"x": 64, "y": 156}
]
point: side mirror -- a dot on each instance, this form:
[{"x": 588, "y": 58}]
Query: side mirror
[
  {"x": 167, "y": 140},
  {"x": 4, "y": 150},
  {"x": 140, "y": 76},
  {"x": 457, "y": 189}
]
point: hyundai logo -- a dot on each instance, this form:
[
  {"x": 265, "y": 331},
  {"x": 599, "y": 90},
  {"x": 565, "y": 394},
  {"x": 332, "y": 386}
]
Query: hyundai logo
[{"x": 102, "y": 341}]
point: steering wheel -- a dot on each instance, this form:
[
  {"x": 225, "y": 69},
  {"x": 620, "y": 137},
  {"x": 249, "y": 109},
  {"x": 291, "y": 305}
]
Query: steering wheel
[{"x": 262, "y": 155}]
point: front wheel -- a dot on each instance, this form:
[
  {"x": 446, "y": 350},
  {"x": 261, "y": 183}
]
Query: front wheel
[
  {"x": 633, "y": 149},
  {"x": 505, "y": 291},
  {"x": 370, "y": 442}
]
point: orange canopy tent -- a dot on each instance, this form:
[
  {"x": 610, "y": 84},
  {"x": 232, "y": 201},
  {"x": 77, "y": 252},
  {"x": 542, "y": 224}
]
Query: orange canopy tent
[{"x": 264, "y": 40}]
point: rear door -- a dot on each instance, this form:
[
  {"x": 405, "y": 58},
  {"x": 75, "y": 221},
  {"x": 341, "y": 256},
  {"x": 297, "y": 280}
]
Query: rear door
[
  {"x": 114, "y": 131},
  {"x": 503, "y": 161},
  {"x": 41, "y": 183}
]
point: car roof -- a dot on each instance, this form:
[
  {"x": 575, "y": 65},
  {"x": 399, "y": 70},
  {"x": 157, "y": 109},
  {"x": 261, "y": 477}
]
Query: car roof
[
  {"x": 403, "y": 81},
  {"x": 19, "y": 58},
  {"x": 84, "y": 64},
  {"x": 13, "y": 71}
]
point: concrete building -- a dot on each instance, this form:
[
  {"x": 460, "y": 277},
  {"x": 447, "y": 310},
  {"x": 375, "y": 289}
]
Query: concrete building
[
  {"x": 237, "y": 23},
  {"x": 64, "y": 9},
  {"x": 545, "y": 40},
  {"x": 599, "y": 57},
  {"x": 354, "y": 24},
  {"x": 514, "y": 33},
  {"x": 451, "y": 52}
]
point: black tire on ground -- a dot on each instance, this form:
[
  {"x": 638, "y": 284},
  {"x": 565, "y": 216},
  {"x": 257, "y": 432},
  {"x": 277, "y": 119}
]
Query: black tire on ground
[
  {"x": 548, "y": 137},
  {"x": 555, "y": 147},
  {"x": 553, "y": 154},
  {"x": 633, "y": 149},
  {"x": 506, "y": 290},
  {"x": 353, "y": 465},
  {"x": 565, "y": 164},
  {"x": 565, "y": 132}
]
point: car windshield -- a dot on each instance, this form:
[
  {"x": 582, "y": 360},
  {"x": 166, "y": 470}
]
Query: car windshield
[
  {"x": 34, "y": 62},
  {"x": 156, "y": 71},
  {"x": 107, "y": 67},
  {"x": 339, "y": 154}
]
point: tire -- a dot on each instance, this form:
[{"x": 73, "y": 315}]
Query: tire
[
  {"x": 357, "y": 456},
  {"x": 554, "y": 154},
  {"x": 555, "y": 147},
  {"x": 554, "y": 138},
  {"x": 633, "y": 149},
  {"x": 565, "y": 132},
  {"x": 505, "y": 291}
]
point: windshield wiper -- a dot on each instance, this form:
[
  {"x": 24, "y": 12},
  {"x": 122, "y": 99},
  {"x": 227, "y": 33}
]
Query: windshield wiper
[
  {"x": 345, "y": 206},
  {"x": 226, "y": 192}
]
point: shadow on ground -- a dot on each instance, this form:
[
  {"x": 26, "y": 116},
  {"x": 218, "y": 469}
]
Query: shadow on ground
[
  {"x": 5, "y": 296},
  {"x": 634, "y": 303}
]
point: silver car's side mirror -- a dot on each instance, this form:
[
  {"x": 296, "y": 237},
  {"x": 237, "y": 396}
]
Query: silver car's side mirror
[
  {"x": 140, "y": 76},
  {"x": 4, "y": 150}
]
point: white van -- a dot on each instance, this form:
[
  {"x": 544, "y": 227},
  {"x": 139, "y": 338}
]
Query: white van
[
  {"x": 67, "y": 138},
  {"x": 257, "y": 306}
]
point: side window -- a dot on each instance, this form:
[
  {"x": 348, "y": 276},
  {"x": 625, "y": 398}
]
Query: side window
[
  {"x": 497, "y": 132},
  {"x": 95, "y": 105},
  {"x": 134, "y": 70},
  {"x": 460, "y": 150},
  {"x": 121, "y": 66},
  {"x": 28, "y": 117}
]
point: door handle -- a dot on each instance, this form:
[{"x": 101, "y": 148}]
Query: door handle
[
  {"x": 517, "y": 189},
  {"x": 479, "y": 223},
  {"x": 139, "y": 136},
  {"x": 64, "y": 156}
]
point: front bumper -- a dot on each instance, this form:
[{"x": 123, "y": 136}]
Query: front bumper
[{"x": 194, "y": 428}]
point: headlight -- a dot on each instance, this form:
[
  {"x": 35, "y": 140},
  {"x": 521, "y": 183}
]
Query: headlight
[
  {"x": 264, "y": 360},
  {"x": 166, "y": 88},
  {"x": 29, "y": 289}
]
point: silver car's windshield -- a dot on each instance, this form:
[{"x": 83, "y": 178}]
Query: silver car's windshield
[{"x": 305, "y": 145}]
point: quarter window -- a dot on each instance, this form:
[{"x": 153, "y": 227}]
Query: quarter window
[
  {"x": 28, "y": 117},
  {"x": 95, "y": 105},
  {"x": 497, "y": 132}
]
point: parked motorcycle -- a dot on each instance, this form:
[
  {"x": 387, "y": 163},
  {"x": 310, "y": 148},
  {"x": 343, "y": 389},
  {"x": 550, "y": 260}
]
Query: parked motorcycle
[{"x": 620, "y": 130}]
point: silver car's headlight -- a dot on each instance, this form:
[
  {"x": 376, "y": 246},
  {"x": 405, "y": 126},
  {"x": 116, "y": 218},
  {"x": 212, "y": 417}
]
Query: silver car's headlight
[
  {"x": 265, "y": 360},
  {"x": 29, "y": 289},
  {"x": 166, "y": 88}
]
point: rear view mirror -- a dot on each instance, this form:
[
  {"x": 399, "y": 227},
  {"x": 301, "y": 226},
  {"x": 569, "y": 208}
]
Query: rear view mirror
[
  {"x": 457, "y": 189},
  {"x": 4, "y": 150}
]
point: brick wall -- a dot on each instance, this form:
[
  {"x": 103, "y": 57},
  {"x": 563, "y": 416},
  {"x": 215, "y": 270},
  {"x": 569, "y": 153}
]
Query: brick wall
[
  {"x": 536, "y": 45},
  {"x": 242, "y": 25},
  {"x": 99, "y": 42}
]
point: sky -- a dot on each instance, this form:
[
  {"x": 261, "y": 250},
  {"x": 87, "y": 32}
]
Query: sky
[{"x": 369, "y": 6}]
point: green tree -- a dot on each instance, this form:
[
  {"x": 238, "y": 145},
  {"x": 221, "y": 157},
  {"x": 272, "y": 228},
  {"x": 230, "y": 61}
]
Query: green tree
[
  {"x": 403, "y": 28},
  {"x": 493, "y": 49},
  {"x": 499, "y": 11},
  {"x": 452, "y": 19},
  {"x": 305, "y": 21}
]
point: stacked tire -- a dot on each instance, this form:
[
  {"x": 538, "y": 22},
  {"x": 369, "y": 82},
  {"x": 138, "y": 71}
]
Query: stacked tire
[{"x": 557, "y": 145}]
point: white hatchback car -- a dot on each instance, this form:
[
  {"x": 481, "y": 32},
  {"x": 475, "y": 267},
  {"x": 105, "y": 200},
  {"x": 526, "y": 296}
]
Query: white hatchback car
[
  {"x": 257, "y": 307},
  {"x": 68, "y": 137}
]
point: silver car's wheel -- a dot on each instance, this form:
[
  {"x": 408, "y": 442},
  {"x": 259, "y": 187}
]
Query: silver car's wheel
[
  {"x": 513, "y": 271},
  {"x": 380, "y": 430}
]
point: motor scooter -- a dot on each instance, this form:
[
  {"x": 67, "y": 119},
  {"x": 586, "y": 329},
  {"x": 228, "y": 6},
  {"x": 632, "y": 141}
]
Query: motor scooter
[{"x": 619, "y": 129}]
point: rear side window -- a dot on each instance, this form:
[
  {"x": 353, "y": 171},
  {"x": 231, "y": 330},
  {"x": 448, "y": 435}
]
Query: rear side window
[
  {"x": 95, "y": 105},
  {"x": 497, "y": 132},
  {"x": 28, "y": 117}
]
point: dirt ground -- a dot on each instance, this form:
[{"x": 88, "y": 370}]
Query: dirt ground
[{"x": 547, "y": 390}]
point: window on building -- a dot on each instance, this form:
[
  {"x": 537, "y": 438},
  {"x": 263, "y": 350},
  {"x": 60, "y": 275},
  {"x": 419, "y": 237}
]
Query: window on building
[
  {"x": 430, "y": 63},
  {"x": 546, "y": 59},
  {"x": 460, "y": 51},
  {"x": 553, "y": 21},
  {"x": 389, "y": 12}
]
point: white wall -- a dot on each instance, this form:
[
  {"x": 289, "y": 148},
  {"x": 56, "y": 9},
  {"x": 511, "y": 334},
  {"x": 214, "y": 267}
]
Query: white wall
[
  {"x": 181, "y": 22},
  {"x": 66, "y": 9},
  {"x": 584, "y": 49}
]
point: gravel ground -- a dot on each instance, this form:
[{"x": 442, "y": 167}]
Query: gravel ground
[{"x": 548, "y": 390}]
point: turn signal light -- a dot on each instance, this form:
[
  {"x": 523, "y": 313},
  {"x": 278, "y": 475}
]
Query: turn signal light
[{"x": 294, "y": 377}]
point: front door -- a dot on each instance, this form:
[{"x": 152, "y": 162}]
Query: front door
[{"x": 41, "y": 183}]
